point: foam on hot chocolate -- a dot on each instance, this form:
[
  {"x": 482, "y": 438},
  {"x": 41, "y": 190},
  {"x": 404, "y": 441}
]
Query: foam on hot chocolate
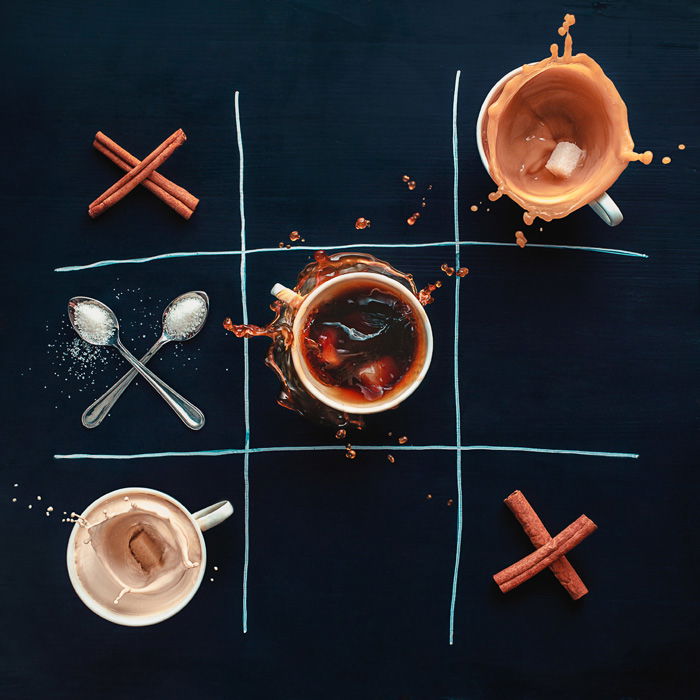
[
  {"x": 137, "y": 554},
  {"x": 564, "y": 98}
]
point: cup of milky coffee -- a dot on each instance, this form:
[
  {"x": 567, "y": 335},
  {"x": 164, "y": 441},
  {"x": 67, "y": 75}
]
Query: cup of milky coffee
[
  {"x": 554, "y": 135},
  {"x": 361, "y": 341},
  {"x": 136, "y": 556}
]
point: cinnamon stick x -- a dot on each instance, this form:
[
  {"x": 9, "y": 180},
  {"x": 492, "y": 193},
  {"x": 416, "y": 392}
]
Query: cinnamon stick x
[
  {"x": 541, "y": 558},
  {"x": 176, "y": 197},
  {"x": 137, "y": 174},
  {"x": 539, "y": 536}
]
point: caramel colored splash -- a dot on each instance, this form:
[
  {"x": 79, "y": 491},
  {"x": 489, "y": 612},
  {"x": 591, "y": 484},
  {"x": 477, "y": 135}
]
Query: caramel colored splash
[
  {"x": 413, "y": 218},
  {"x": 362, "y": 223},
  {"x": 294, "y": 236},
  {"x": 520, "y": 239},
  {"x": 559, "y": 99}
]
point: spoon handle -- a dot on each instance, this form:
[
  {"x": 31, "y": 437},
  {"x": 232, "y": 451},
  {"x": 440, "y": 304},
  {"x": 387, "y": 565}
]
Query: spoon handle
[
  {"x": 99, "y": 409},
  {"x": 188, "y": 413}
]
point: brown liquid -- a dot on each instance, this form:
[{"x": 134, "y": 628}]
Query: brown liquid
[
  {"x": 362, "y": 341},
  {"x": 560, "y": 98},
  {"x": 413, "y": 218},
  {"x": 362, "y": 223},
  {"x": 293, "y": 395},
  {"x": 137, "y": 555}
]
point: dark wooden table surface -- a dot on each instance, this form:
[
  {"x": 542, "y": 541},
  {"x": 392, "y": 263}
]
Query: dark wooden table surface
[{"x": 351, "y": 565}]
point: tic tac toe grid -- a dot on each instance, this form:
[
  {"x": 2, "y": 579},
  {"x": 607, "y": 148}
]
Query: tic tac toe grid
[{"x": 246, "y": 450}]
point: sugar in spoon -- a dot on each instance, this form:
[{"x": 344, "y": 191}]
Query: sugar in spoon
[
  {"x": 100, "y": 408},
  {"x": 97, "y": 324}
]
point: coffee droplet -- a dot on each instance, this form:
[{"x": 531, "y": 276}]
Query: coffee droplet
[
  {"x": 429, "y": 497},
  {"x": 520, "y": 239},
  {"x": 280, "y": 244},
  {"x": 403, "y": 440},
  {"x": 362, "y": 223},
  {"x": 413, "y": 218},
  {"x": 473, "y": 207},
  {"x": 405, "y": 178},
  {"x": 462, "y": 272},
  {"x": 449, "y": 501},
  {"x": 665, "y": 160},
  {"x": 681, "y": 147},
  {"x": 411, "y": 185},
  {"x": 294, "y": 236},
  {"x": 349, "y": 452},
  {"x": 449, "y": 271},
  {"x": 340, "y": 435},
  {"x": 390, "y": 458}
]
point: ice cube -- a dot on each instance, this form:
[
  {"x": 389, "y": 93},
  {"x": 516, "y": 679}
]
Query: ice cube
[{"x": 564, "y": 159}]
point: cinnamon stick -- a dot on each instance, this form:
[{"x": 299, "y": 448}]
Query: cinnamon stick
[
  {"x": 541, "y": 558},
  {"x": 539, "y": 535},
  {"x": 137, "y": 174},
  {"x": 175, "y": 196}
]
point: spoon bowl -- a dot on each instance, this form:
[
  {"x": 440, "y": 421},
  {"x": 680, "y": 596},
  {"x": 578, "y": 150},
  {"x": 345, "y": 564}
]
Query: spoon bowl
[
  {"x": 193, "y": 332},
  {"x": 113, "y": 338}
]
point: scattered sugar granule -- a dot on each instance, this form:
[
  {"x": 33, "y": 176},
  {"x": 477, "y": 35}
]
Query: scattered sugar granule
[{"x": 564, "y": 159}]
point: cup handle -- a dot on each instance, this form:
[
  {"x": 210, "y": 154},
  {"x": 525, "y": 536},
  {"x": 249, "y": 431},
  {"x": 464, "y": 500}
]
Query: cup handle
[
  {"x": 606, "y": 209},
  {"x": 208, "y": 518},
  {"x": 288, "y": 296}
]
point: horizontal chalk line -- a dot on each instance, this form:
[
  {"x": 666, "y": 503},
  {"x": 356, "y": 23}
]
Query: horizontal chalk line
[
  {"x": 359, "y": 448},
  {"x": 347, "y": 246}
]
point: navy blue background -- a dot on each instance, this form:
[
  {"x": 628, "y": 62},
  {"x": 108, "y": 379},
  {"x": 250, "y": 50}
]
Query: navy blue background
[{"x": 351, "y": 564}]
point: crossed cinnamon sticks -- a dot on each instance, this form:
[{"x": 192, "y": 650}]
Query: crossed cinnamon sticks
[
  {"x": 550, "y": 550},
  {"x": 143, "y": 172}
]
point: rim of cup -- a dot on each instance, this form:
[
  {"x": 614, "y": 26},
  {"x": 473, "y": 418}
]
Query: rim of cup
[
  {"x": 482, "y": 113},
  {"x": 382, "y": 404},
  {"x": 105, "y": 612}
]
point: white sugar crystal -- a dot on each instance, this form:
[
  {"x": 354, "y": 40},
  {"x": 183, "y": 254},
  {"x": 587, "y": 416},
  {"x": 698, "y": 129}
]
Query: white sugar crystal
[
  {"x": 185, "y": 316},
  {"x": 565, "y": 158},
  {"x": 94, "y": 324}
]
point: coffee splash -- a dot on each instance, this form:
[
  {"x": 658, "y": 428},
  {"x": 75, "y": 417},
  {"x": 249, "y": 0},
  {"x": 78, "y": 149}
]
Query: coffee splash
[
  {"x": 293, "y": 395},
  {"x": 564, "y": 98},
  {"x": 145, "y": 552}
]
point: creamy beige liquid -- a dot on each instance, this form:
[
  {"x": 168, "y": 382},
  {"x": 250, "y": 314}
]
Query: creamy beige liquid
[
  {"x": 137, "y": 554},
  {"x": 561, "y": 98}
]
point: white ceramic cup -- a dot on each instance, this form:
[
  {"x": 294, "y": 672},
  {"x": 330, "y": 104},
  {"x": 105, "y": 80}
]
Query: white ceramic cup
[
  {"x": 322, "y": 293},
  {"x": 202, "y": 520},
  {"x": 604, "y": 205}
]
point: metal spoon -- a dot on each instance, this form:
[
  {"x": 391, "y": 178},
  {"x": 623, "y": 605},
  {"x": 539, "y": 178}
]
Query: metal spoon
[
  {"x": 188, "y": 413},
  {"x": 96, "y": 412}
]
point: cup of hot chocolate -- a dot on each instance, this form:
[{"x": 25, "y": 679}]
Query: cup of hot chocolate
[
  {"x": 136, "y": 556},
  {"x": 361, "y": 341}
]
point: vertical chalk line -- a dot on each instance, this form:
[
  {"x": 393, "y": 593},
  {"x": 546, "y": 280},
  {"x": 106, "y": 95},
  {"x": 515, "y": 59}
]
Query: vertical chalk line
[
  {"x": 458, "y": 416},
  {"x": 246, "y": 372}
]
